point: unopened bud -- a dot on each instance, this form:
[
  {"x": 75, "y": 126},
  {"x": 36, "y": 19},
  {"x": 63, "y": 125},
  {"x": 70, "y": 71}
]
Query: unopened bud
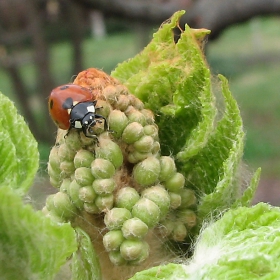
[
  {"x": 132, "y": 133},
  {"x": 117, "y": 122},
  {"x": 147, "y": 172},
  {"x": 115, "y": 218}
]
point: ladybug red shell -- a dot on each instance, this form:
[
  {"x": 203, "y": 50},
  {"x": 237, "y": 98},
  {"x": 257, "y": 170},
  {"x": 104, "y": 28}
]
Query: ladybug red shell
[{"x": 72, "y": 106}]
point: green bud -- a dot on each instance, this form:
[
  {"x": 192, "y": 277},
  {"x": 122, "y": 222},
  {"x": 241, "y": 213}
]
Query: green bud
[
  {"x": 65, "y": 153},
  {"x": 121, "y": 89},
  {"x": 150, "y": 118},
  {"x": 104, "y": 186},
  {"x": 160, "y": 197},
  {"x": 143, "y": 255},
  {"x": 117, "y": 122},
  {"x": 187, "y": 217},
  {"x": 63, "y": 206},
  {"x": 112, "y": 240},
  {"x": 110, "y": 94},
  {"x": 132, "y": 249},
  {"x": 167, "y": 168},
  {"x": 136, "y": 102},
  {"x": 73, "y": 192},
  {"x": 122, "y": 103},
  {"x": 49, "y": 202},
  {"x": 102, "y": 169},
  {"x": 54, "y": 160},
  {"x": 67, "y": 167},
  {"x": 83, "y": 158},
  {"x": 175, "y": 200},
  {"x": 87, "y": 194},
  {"x": 104, "y": 108},
  {"x": 144, "y": 144},
  {"x": 83, "y": 176},
  {"x": 132, "y": 133},
  {"x": 54, "y": 173},
  {"x": 155, "y": 148},
  {"x": 188, "y": 198},
  {"x": 91, "y": 208},
  {"x": 151, "y": 130},
  {"x": 115, "y": 218},
  {"x": 179, "y": 232},
  {"x": 166, "y": 228},
  {"x": 136, "y": 156},
  {"x": 126, "y": 198},
  {"x": 73, "y": 140},
  {"x": 55, "y": 182},
  {"x": 107, "y": 149},
  {"x": 147, "y": 211},
  {"x": 116, "y": 258},
  {"x": 134, "y": 228},
  {"x": 65, "y": 185},
  {"x": 147, "y": 172},
  {"x": 104, "y": 202},
  {"x": 134, "y": 115},
  {"x": 175, "y": 183}
]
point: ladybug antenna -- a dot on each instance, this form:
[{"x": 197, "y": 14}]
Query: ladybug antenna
[{"x": 68, "y": 103}]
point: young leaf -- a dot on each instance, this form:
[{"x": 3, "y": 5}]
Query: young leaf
[
  {"x": 85, "y": 263},
  {"x": 215, "y": 168},
  {"x": 173, "y": 79},
  {"x": 164, "y": 272},
  {"x": 32, "y": 246},
  {"x": 18, "y": 149},
  {"x": 243, "y": 244}
]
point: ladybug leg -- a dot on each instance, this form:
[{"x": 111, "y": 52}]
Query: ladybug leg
[
  {"x": 89, "y": 135},
  {"x": 106, "y": 127},
  {"x": 67, "y": 132}
]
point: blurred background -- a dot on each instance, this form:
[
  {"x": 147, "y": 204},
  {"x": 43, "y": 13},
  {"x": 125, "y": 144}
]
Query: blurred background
[{"x": 45, "y": 43}]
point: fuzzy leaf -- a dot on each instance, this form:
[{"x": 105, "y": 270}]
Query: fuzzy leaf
[
  {"x": 18, "y": 149},
  {"x": 173, "y": 80},
  {"x": 164, "y": 272},
  {"x": 214, "y": 170},
  {"x": 85, "y": 263},
  {"x": 31, "y": 245},
  {"x": 243, "y": 244}
]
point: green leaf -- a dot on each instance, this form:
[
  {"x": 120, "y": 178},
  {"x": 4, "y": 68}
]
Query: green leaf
[
  {"x": 31, "y": 245},
  {"x": 18, "y": 149},
  {"x": 214, "y": 170},
  {"x": 249, "y": 193},
  {"x": 164, "y": 272},
  {"x": 173, "y": 80},
  {"x": 243, "y": 244},
  {"x": 85, "y": 263}
]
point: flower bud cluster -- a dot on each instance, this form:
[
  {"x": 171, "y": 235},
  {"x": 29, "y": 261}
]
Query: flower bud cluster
[{"x": 122, "y": 176}]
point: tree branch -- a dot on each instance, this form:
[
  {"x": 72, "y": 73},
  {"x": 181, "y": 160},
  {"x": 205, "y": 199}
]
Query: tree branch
[{"x": 215, "y": 15}]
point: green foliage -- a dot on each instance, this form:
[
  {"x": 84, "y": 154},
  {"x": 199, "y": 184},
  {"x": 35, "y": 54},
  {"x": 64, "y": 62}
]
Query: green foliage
[
  {"x": 32, "y": 246},
  {"x": 243, "y": 244},
  {"x": 174, "y": 81},
  {"x": 85, "y": 263},
  {"x": 18, "y": 150}
]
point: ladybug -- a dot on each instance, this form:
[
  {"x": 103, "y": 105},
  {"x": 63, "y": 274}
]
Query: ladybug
[{"x": 72, "y": 106}]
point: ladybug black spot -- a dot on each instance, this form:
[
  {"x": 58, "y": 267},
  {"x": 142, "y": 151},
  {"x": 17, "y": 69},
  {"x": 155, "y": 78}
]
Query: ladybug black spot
[
  {"x": 68, "y": 103},
  {"x": 51, "y": 104},
  {"x": 64, "y": 87}
]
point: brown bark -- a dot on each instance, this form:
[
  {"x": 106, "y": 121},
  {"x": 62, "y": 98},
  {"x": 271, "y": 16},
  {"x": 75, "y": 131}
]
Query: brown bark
[{"x": 215, "y": 15}]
